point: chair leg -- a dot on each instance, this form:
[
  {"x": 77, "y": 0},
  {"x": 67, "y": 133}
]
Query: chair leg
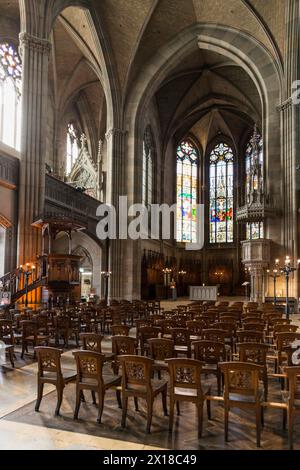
[
  {"x": 39, "y": 396},
  {"x": 290, "y": 429},
  {"x": 124, "y": 410},
  {"x": 23, "y": 349},
  {"x": 284, "y": 418},
  {"x": 164, "y": 402},
  {"x": 149, "y": 413},
  {"x": 258, "y": 420},
  {"x": 265, "y": 380},
  {"x": 118, "y": 394},
  {"x": 94, "y": 397},
  {"x": 178, "y": 408},
  {"x": 100, "y": 409},
  {"x": 219, "y": 383},
  {"x": 82, "y": 396},
  {"x": 60, "y": 389},
  {"x": 200, "y": 418},
  {"x": 11, "y": 356},
  {"x": 226, "y": 422},
  {"x": 136, "y": 403},
  {"x": 171, "y": 417},
  {"x": 208, "y": 407},
  {"x": 79, "y": 394}
]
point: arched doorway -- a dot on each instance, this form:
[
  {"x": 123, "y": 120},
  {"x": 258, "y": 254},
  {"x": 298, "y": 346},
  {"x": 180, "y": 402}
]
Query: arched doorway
[
  {"x": 90, "y": 266},
  {"x": 86, "y": 273}
]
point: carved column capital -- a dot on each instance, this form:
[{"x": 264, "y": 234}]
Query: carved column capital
[
  {"x": 34, "y": 43},
  {"x": 115, "y": 132}
]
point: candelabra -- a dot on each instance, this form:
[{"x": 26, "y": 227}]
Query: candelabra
[
  {"x": 219, "y": 275},
  {"x": 27, "y": 272},
  {"x": 275, "y": 274},
  {"x": 106, "y": 275},
  {"x": 167, "y": 272},
  {"x": 286, "y": 269}
]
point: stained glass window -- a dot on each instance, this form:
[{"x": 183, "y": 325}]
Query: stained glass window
[
  {"x": 187, "y": 182},
  {"x": 10, "y": 96},
  {"x": 221, "y": 194},
  {"x": 254, "y": 160},
  {"x": 148, "y": 168},
  {"x": 73, "y": 147}
]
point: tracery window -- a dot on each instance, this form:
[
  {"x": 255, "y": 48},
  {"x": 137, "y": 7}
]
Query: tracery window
[
  {"x": 254, "y": 161},
  {"x": 187, "y": 184},
  {"x": 10, "y": 96},
  {"x": 221, "y": 194},
  {"x": 73, "y": 147}
]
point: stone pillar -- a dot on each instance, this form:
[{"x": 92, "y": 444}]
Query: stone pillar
[
  {"x": 257, "y": 282},
  {"x": 116, "y": 186},
  {"x": 289, "y": 113},
  {"x": 35, "y": 54},
  {"x": 256, "y": 257}
]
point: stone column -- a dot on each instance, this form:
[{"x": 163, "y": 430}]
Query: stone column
[
  {"x": 256, "y": 257},
  {"x": 116, "y": 186},
  {"x": 35, "y": 54},
  {"x": 289, "y": 113},
  {"x": 257, "y": 282}
]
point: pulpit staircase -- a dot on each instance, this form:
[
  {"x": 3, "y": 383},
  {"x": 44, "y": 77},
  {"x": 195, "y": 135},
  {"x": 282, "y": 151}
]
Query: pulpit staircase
[{"x": 59, "y": 273}]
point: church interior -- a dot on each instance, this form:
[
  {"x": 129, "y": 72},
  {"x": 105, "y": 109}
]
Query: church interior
[{"x": 149, "y": 224}]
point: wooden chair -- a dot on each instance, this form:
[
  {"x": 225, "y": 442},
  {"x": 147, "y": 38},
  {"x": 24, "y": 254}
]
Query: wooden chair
[
  {"x": 283, "y": 340},
  {"x": 241, "y": 390},
  {"x": 182, "y": 342},
  {"x": 256, "y": 353},
  {"x": 254, "y": 326},
  {"x": 42, "y": 323},
  {"x": 166, "y": 326},
  {"x": 137, "y": 383},
  {"x": 185, "y": 385},
  {"x": 284, "y": 329},
  {"x": 291, "y": 397},
  {"x": 90, "y": 377},
  {"x": 7, "y": 336},
  {"x": 248, "y": 336},
  {"x": 145, "y": 333},
  {"x": 122, "y": 345},
  {"x": 211, "y": 353},
  {"x": 141, "y": 324},
  {"x": 256, "y": 320},
  {"x": 160, "y": 349},
  {"x": 63, "y": 329},
  {"x": 214, "y": 334},
  {"x": 30, "y": 336},
  {"x": 50, "y": 371},
  {"x": 195, "y": 328},
  {"x": 6, "y": 331},
  {"x": 232, "y": 316},
  {"x": 92, "y": 342},
  {"x": 230, "y": 328},
  {"x": 120, "y": 330}
]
